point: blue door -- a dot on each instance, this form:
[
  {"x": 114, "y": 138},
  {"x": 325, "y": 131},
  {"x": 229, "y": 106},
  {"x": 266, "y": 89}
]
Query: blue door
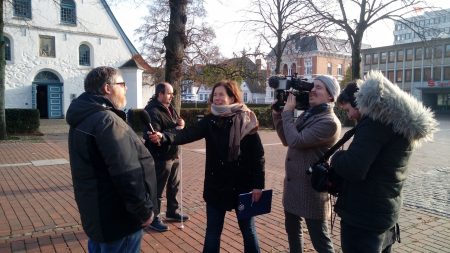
[
  {"x": 47, "y": 95},
  {"x": 54, "y": 101}
]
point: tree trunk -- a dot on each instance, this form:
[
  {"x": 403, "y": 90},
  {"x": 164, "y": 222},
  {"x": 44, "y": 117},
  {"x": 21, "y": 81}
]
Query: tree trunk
[
  {"x": 356, "y": 58},
  {"x": 175, "y": 43},
  {"x": 3, "y": 134}
]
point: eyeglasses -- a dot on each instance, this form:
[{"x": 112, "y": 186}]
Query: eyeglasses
[{"x": 123, "y": 84}]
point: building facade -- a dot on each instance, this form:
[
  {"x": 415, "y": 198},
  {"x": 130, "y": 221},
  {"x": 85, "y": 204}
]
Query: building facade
[
  {"x": 310, "y": 56},
  {"x": 420, "y": 68},
  {"x": 427, "y": 26},
  {"x": 52, "y": 45}
]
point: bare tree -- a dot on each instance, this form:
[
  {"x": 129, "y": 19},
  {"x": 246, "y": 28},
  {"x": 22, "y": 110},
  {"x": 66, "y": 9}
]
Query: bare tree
[
  {"x": 275, "y": 21},
  {"x": 175, "y": 35},
  {"x": 354, "y": 17}
]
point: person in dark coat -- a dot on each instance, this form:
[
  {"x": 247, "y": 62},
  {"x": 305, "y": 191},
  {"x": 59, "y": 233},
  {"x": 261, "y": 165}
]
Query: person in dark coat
[
  {"x": 234, "y": 161},
  {"x": 112, "y": 171},
  {"x": 164, "y": 118},
  {"x": 374, "y": 167}
]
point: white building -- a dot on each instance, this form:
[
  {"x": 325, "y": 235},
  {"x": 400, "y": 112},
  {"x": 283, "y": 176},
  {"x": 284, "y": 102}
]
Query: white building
[
  {"x": 429, "y": 25},
  {"x": 52, "y": 45}
]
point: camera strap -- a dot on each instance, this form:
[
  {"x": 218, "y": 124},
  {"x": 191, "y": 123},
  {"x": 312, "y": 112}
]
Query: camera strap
[{"x": 338, "y": 144}]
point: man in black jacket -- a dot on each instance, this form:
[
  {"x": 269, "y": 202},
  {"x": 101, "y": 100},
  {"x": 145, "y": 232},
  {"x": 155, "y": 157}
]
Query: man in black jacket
[
  {"x": 164, "y": 118},
  {"x": 113, "y": 173}
]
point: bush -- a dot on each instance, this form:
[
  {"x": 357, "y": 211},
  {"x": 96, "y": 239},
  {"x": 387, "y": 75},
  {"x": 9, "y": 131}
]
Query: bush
[
  {"x": 192, "y": 115},
  {"x": 19, "y": 121}
]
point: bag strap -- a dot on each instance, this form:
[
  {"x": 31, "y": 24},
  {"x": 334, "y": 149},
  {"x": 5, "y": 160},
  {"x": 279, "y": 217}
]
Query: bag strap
[{"x": 338, "y": 144}]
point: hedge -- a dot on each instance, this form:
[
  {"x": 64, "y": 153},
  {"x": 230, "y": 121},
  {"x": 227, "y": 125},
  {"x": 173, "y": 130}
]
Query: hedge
[
  {"x": 20, "y": 121},
  {"x": 192, "y": 115}
]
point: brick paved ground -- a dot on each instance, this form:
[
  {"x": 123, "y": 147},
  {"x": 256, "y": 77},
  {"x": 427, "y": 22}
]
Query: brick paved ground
[{"x": 38, "y": 212}]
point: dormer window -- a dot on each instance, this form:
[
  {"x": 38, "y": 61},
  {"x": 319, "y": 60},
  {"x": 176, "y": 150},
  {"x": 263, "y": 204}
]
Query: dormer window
[{"x": 68, "y": 12}]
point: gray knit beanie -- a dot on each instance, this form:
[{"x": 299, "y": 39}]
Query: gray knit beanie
[{"x": 331, "y": 84}]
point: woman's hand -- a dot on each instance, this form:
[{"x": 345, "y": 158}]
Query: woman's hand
[{"x": 256, "y": 195}]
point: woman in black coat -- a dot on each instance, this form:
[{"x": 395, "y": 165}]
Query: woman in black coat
[{"x": 234, "y": 161}]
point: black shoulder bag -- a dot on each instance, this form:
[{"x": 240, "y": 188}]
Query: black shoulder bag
[{"x": 323, "y": 178}]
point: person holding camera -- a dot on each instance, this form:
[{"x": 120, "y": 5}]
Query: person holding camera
[
  {"x": 374, "y": 167},
  {"x": 307, "y": 138}
]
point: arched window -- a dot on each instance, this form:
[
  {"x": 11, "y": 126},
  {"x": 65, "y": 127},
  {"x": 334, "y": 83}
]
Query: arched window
[
  {"x": 7, "y": 48},
  {"x": 294, "y": 69},
  {"x": 84, "y": 57},
  {"x": 68, "y": 12},
  {"x": 285, "y": 69}
]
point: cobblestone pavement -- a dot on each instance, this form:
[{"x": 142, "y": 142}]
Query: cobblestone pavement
[{"x": 38, "y": 212}]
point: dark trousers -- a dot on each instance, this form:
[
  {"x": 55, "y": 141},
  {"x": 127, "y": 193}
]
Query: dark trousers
[
  {"x": 214, "y": 225},
  {"x": 355, "y": 239},
  {"x": 129, "y": 244},
  {"x": 167, "y": 176},
  {"x": 318, "y": 231}
]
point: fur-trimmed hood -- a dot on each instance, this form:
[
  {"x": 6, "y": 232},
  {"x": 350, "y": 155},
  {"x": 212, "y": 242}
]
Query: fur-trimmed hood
[{"x": 383, "y": 101}]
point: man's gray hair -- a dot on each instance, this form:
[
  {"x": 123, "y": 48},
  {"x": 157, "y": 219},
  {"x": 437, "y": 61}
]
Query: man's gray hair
[{"x": 97, "y": 77}]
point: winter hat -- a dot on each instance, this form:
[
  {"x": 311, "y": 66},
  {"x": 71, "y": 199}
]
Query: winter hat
[
  {"x": 331, "y": 84},
  {"x": 348, "y": 94}
]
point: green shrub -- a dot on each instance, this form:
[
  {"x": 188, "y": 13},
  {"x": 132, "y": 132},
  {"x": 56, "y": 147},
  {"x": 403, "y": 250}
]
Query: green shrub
[{"x": 20, "y": 121}]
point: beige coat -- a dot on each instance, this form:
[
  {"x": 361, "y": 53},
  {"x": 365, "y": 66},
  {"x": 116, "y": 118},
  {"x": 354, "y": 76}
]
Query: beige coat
[{"x": 305, "y": 147}]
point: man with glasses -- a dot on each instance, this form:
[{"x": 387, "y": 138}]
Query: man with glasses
[
  {"x": 113, "y": 173},
  {"x": 164, "y": 118}
]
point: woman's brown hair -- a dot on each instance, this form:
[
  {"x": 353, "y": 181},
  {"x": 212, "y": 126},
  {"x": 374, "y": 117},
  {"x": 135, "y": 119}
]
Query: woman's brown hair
[{"x": 231, "y": 88}]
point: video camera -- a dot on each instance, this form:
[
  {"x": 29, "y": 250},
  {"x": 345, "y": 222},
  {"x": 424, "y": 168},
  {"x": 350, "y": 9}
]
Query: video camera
[{"x": 291, "y": 84}]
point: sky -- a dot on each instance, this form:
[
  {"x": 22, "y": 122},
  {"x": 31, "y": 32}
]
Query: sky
[{"x": 222, "y": 13}]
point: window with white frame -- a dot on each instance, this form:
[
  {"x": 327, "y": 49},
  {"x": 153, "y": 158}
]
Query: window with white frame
[
  {"x": 68, "y": 12},
  {"x": 22, "y": 8},
  {"x": 329, "y": 69},
  {"x": 84, "y": 57},
  {"x": 339, "y": 69},
  {"x": 308, "y": 66}
]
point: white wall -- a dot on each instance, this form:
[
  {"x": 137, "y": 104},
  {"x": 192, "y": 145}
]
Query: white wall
[{"x": 94, "y": 28}]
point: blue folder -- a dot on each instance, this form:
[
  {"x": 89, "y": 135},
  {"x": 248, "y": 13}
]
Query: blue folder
[{"x": 247, "y": 208}]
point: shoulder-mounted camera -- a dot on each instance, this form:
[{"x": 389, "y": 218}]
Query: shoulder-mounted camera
[{"x": 284, "y": 85}]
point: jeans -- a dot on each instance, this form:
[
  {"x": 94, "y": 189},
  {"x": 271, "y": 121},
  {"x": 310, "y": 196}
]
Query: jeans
[
  {"x": 318, "y": 231},
  {"x": 354, "y": 239},
  {"x": 167, "y": 176},
  {"x": 214, "y": 225},
  {"x": 128, "y": 244}
]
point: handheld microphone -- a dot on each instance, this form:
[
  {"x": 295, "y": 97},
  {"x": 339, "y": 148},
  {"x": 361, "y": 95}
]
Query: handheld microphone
[{"x": 147, "y": 121}]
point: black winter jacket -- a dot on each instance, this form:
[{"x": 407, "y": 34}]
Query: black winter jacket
[
  {"x": 113, "y": 173},
  {"x": 161, "y": 120},
  {"x": 225, "y": 180},
  {"x": 374, "y": 167}
]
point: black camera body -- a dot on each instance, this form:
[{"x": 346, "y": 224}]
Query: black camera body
[
  {"x": 300, "y": 87},
  {"x": 323, "y": 178}
]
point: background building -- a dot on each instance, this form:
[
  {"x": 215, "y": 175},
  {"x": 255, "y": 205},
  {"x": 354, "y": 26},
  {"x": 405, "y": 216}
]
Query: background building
[
  {"x": 310, "y": 56},
  {"x": 430, "y": 25},
  {"x": 52, "y": 45},
  {"x": 420, "y": 68}
]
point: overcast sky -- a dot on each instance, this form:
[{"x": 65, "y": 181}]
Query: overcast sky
[{"x": 222, "y": 13}]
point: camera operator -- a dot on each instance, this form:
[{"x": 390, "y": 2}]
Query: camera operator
[
  {"x": 374, "y": 167},
  {"x": 307, "y": 138}
]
